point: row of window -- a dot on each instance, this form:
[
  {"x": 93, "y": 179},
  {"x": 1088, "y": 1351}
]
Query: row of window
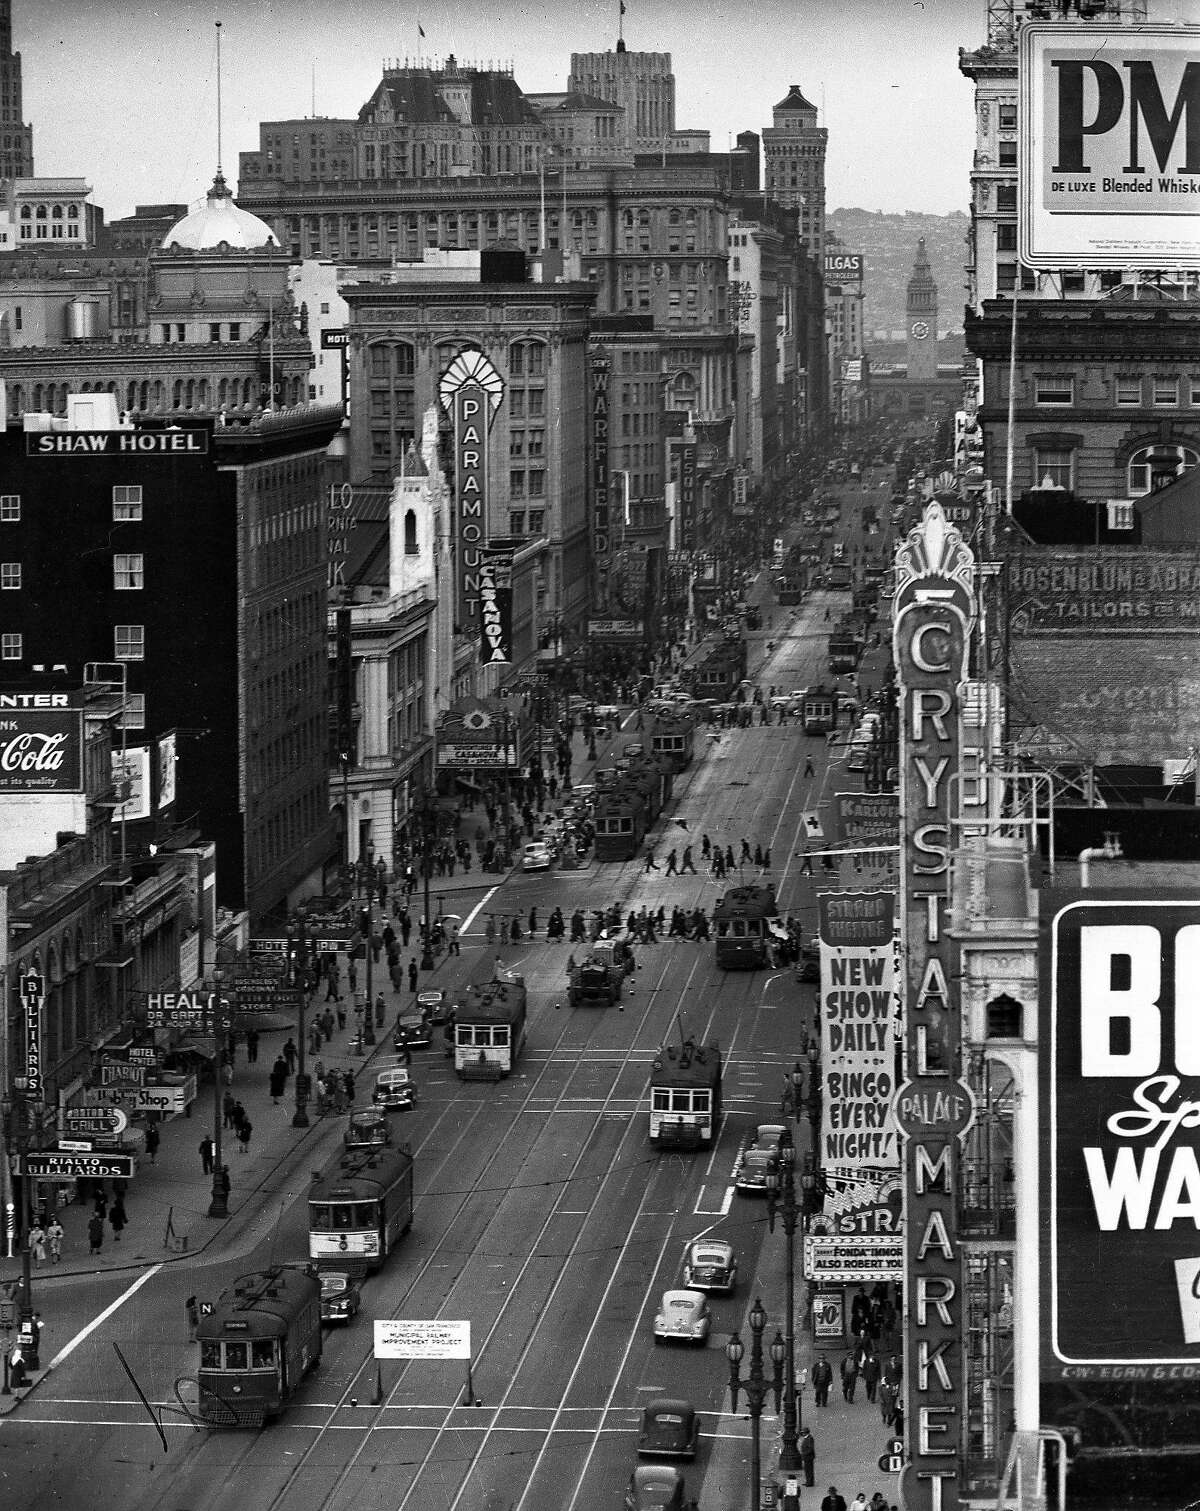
[
  {"x": 1058, "y": 391},
  {"x": 1148, "y": 469},
  {"x": 129, "y": 644},
  {"x": 128, "y": 573}
]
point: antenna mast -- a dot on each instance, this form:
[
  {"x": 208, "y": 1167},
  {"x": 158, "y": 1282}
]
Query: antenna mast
[{"x": 218, "y": 25}]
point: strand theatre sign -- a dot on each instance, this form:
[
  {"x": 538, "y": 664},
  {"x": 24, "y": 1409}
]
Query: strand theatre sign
[
  {"x": 934, "y": 612},
  {"x": 1110, "y": 146}
]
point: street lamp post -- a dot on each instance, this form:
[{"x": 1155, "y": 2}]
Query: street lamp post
[
  {"x": 218, "y": 1205},
  {"x": 18, "y": 1116},
  {"x": 428, "y": 819},
  {"x": 781, "y": 1203},
  {"x": 756, "y": 1386},
  {"x": 301, "y": 954}
]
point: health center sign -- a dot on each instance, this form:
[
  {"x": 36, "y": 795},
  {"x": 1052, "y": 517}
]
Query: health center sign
[
  {"x": 934, "y": 613},
  {"x": 1120, "y": 1091},
  {"x": 1110, "y": 146}
]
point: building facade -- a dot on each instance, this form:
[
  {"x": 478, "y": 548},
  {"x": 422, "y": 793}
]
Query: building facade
[
  {"x": 16, "y": 137},
  {"x": 794, "y": 148}
]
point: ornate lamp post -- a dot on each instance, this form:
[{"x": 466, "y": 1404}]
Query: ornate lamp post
[
  {"x": 428, "y": 810},
  {"x": 218, "y": 1205},
  {"x": 302, "y": 953},
  {"x": 781, "y": 1203},
  {"x": 756, "y": 1386}
]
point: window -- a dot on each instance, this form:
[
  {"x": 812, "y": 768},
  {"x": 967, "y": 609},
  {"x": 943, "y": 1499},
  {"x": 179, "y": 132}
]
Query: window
[
  {"x": 1054, "y": 391},
  {"x": 133, "y": 712},
  {"x": 1008, "y": 117},
  {"x": 1052, "y": 468},
  {"x": 235, "y": 330},
  {"x": 1166, "y": 393},
  {"x": 1008, "y": 154},
  {"x": 1129, "y": 390},
  {"x": 12, "y": 647},
  {"x": 10, "y": 508},
  {"x": 127, "y": 501},
  {"x": 1006, "y": 198},
  {"x": 516, "y": 522},
  {"x": 1153, "y": 467},
  {"x": 1193, "y": 386},
  {"x": 10, "y": 575},
  {"x": 128, "y": 571},
  {"x": 1006, "y": 236},
  {"x": 214, "y": 331},
  {"x": 129, "y": 642},
  {"x": 516, "y": 484}
]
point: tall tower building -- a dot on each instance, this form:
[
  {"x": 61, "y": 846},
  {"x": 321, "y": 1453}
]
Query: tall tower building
[
  {"x": 921, "y": 308},
  {"x": 794, "y": 160},
  {"x": 16, "y": 139},
  {"x": 641, "y": 83}
]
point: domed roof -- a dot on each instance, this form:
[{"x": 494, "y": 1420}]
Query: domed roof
[{"x": 219, "y": 222}]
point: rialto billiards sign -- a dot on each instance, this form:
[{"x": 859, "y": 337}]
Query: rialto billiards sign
[{"x": 1121, "y": 1098}]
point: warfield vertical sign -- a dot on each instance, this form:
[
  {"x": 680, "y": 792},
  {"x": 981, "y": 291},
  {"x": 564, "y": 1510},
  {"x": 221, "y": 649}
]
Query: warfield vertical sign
[
  {"x": 935, "y": 607},
  {"x": 1110, "y": 146},
  {"x": 471, "y": 390},
  {"x": 1120, "y": 1089},
  {"x": 601, "y": 526}
]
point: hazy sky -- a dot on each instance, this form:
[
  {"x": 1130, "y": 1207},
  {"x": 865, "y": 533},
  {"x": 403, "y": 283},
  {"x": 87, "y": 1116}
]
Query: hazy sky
[{"x": 123, "y": 92}]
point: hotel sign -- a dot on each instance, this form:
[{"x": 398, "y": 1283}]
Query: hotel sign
[
  {"x": 1110, "y": 146},
  {"x": 935, "y": 606},
  {"x": 124, "y": 443}
]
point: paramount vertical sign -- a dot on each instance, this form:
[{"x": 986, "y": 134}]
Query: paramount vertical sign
[
  {"x": 935, "y": 608},
  {"x": 470, "y": 390}
]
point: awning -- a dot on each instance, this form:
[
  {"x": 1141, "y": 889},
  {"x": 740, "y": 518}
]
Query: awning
[{"x": 201, "y": 1048}]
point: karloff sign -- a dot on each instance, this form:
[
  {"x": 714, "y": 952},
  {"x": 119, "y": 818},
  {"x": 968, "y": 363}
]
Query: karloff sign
[
  {"x": 1110, "y": 146},
  {"x": 1121, "y": 1102}
]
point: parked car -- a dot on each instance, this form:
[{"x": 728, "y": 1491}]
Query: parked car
[
  {"x": 367, "y": 1126},
  {"x": 536, "y": 856},
  {"x": 759, "y": 1158},
  {"x": 670, "y": 1430},
  {"x": 340, "y": 1298},
  {"x": 394, "y": 1089},
  {"x": 634, "y": 748},
  {"x": 434, "y": 1005},
  {"x": 412, "y": 1030},
  {"x": 683, "y": 1316},
  {"x": 791, "y": 701},
  {"x": 655, "y": 1487},
  {"x": 607, "y": 711},
  {"x": 709, "y": 1265}
]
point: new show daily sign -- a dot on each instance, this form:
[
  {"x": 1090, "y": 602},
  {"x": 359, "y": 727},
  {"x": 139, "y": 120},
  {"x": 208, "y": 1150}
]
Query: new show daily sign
[
  {"x": 855, "y": 931},
  {"x": 1110, "y": 146},
  {"x": 934, "y": 610},
  {"x": 1120, "y": 1088}
]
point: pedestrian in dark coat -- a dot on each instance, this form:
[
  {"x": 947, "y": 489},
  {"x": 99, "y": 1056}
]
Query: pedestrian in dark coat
[
  {"x": 276, "y": 1083},
  {"x": 244, "y": 1133},
  {"x": 729, "y": 860},
  {"x": 413, "y": 975},
  {"x": 118, "y": 1218},
  {"x": 822, "y": 1379},
  {"x": 808, "y": 1455},
  {"x": 849, "y": 1377},
  {"x": 206, "y": 1160},
  {"x": 348, "y": 1085},
  {"x": 870, "y": 1375},
  {"x": 227, "y": 1109},
  {"x": 96, "y": 1232},
  {"x": 153, "y": 1139},
  {"x": 290, "y": 1054}
]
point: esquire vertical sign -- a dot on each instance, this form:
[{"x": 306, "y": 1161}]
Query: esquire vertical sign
[
  {"x": 935, "y": 607},
  {"x": 1120, "y": 1091}
]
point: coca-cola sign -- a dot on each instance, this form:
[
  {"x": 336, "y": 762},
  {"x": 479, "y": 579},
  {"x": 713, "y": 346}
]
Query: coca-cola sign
[{"x": 41, "y": 750}]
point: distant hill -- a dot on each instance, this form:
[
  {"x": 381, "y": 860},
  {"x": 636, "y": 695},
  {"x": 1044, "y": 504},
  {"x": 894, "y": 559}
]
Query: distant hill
[{"x": 889, "y": 246}]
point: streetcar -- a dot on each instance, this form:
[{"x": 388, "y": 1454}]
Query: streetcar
[
  {"x": 619, "y": 824},
  {"x": 685, "y": 1095},
  {"x": 256, "y": 1344},
  {"x": 819, "y": 710},
  {"x": 742, "y": 927},
  {"x": 360, "y": 1206},
  {"x": 844, "y": 653},
  {"x": 489, "y": 1029},
  {"x": 673, "y": 738}
]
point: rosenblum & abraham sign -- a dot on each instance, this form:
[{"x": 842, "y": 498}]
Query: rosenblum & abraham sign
[
  {"x": 1121, "y": 1101},
  {"x": 934, "y": 611}
]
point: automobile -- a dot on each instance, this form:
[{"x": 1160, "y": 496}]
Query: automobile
[
  {"x": 634, "y": 748},
  {"x": 655, "y": 1487},
  {"x": 434, "y": 1005},
  {"x": 394, "y": 1089},
  {"x": 340, "y": 1298},
  {"x": 367, "y": 1126},
  {"x": 670, "y": 1430},
  {"x": 412, "y": 1030},
  {"x": 536, "y": 856},
  {"x": 607, "y": 711},
  {"x": 576, "y": 704},
  {"x": 709, "y": 1264},
  {"x": 682, "y": 1316},
  {"x": 789, "y": 700},
  {"x": 606, "y": 776},
  {"x": 623, "y": 764},
  {"x": 808, "y": 966},
  {"x": 759, "y": 1158},
  {"x": 583, "y": 792}
]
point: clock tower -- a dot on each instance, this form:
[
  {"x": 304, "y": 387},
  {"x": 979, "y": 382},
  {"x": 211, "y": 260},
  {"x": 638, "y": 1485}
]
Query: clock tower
[{"x": 921, "y": 310}]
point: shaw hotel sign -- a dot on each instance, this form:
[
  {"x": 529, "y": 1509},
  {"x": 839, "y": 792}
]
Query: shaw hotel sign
[{"x": 935, "y": 608}]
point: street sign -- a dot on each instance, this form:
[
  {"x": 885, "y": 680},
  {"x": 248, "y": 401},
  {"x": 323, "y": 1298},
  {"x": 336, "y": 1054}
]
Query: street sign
[
  {"x": 76, "y": 1146},
  {"x": 267, "y": 997},
  {"x": 891, "y": 1463},
  {"x": 51, "y": 1164},
  {"x": 100, "y": 1122}
]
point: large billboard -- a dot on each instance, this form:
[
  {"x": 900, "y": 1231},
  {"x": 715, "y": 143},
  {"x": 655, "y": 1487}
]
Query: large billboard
[
  {"x": 1110, "y": 146},
  {"x": 41, "y": 742},
  {"x": 843, "y": 267},
  {"x": 1120, "y": 1097}
]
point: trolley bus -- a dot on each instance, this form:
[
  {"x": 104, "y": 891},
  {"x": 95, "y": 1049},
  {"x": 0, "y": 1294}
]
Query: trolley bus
[
  {"x": 619, "y": 823},
  {"x": 489, "y": 1029},
  {"x": 260, "y": 1339},
  {"x": 819, "y": 710},
  {"x": 673, "y": 738},
  {"x": 360, "y": 1207},
  {"x": 685, "y": 1095},
  {"x": 844, "y": 653},
  {"x": 741, "y": 927}
]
